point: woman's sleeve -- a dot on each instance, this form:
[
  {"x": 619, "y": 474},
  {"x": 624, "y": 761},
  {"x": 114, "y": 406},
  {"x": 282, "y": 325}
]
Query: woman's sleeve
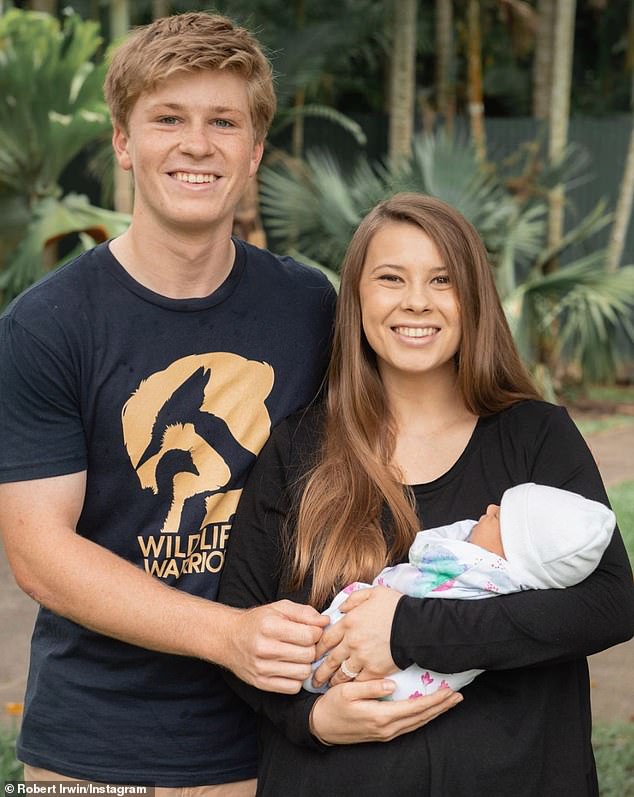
[
  {"x": 252, "y": 572},
  {"x": 535, "y": 626}
]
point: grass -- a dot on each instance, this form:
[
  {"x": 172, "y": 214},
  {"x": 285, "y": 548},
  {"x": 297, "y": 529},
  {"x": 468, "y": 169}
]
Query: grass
[
  {"x": 622, "y": 500},
  {"x": 601, "y": 423},
  {"x": 614, "y": 753},
  {"x": 591, "y": 423},
  {"x": 620, "y": 394},
  {"x": 10, "y": 768}
]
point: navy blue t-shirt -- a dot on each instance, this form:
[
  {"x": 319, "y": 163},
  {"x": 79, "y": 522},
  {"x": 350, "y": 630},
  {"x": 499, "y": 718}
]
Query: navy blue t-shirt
[{"x": 165, "y": 404}]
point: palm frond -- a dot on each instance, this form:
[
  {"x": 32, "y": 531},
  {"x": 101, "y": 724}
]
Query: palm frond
[
  {"x": 596, "y": 220},
  {"x": 584, "y": 304},
  {"x": 323, "y": 112}
]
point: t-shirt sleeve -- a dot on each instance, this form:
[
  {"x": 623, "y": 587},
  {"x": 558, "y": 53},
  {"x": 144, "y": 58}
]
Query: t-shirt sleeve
[
  {"x": 535, "y": 626},
  {"x": 253, "y": 570},
  {"x": 40, "y": 421}
]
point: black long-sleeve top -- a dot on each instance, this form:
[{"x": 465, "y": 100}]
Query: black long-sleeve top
[{"x": 524, "y": 726}]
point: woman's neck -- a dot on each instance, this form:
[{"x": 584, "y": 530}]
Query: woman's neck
[{"x": 433, "y": 426}]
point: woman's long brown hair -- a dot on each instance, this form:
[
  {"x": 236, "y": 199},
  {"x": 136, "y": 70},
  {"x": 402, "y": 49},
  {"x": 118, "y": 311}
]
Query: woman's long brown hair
[{"x": 353, "y": 489}]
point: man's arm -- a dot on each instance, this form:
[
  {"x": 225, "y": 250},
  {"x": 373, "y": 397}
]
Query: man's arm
[{"x": 269, "y": 646}]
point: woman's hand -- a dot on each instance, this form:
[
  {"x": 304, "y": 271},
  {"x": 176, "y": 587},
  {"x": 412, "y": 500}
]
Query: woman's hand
[
  {"x": 351, "y": 713},
  {"x": 361, "y": 639}
]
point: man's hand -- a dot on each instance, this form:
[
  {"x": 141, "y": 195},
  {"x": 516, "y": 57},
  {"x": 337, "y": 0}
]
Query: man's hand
[
  {"x": 350, "y": 713},
  {"x": 272, "y": 647},
  {"x": 361, "y": 639}
]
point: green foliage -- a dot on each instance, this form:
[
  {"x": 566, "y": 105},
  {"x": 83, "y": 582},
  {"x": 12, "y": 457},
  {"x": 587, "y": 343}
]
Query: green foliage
[
  {"x": 569, "y": 315},
  {"x": 53, "y": 219},
  {"x": 602, "y": 423},
  {"x": 317, "y": 205},
  {"x": 51, "y": 101},
  {"x": 584, "y": 304},
  {"x": 622, "y": 500},
  {"x": 617, "y": 394},
  {"x": 614, "y": 752},
  {"x": 326, "y": 51},
  {"x": 51, "y": 107},
  {"x": 10, "y": 768}
]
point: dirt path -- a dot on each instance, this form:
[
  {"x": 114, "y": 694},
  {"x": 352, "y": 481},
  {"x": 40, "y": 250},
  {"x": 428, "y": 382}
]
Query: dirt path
[{"x": 612, "y": 672}]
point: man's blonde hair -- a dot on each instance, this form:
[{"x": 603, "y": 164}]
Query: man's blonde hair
[{"x": 183, "y": 43}]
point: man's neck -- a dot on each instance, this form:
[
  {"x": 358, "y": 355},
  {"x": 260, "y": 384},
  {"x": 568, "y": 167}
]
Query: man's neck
[{"x": 177, "y": 265}]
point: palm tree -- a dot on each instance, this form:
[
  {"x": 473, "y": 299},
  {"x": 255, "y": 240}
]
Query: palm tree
[
  {"x": 623, "y": 212},
  {"x": 160, "y": 8},
  {"x": 47, "y": 6},
  {"x": 543, "y": 60},
  {"x": 560, "y": 107},
  {"x": 474, "y": 75},
  {"x": 445, "y": 99},
  {"x": 119, "y": 26},
  {"x": 402, "y": 79}
]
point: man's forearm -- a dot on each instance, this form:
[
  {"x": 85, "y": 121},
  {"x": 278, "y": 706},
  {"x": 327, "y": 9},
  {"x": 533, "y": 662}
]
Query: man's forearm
[
  {"x": 270, "y": 646},
  {"x": 84, "y": 582}
]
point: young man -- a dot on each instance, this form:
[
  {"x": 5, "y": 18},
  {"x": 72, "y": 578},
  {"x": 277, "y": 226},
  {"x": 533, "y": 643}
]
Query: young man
[{"x": 138, "y": 383}]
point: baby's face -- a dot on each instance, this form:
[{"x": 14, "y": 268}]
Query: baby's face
[{"x": 486, "y": 532}]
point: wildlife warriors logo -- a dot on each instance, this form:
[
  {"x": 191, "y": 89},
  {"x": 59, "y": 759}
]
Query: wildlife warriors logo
[{"x": 192, "y": 433}]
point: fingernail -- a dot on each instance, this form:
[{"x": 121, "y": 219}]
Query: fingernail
[
  {"x": 389, "y": 686},
  {"x": 456, "y": 699}
]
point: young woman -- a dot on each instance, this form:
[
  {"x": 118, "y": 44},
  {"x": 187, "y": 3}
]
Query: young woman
[{"x": 429, "y": 415}]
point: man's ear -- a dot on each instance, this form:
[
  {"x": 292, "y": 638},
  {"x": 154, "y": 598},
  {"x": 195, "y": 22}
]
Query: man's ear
[
  {"x": 256, "y": 157},
  {"x": 120, "y": 146}
]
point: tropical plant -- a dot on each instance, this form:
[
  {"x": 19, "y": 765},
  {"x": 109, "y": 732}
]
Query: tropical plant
[
  {"x": 316, "y": 204},
  {"x": 569, "y": 316},
  {"x": 51, "y": 107},
  {"x": 11, "y": 770}
]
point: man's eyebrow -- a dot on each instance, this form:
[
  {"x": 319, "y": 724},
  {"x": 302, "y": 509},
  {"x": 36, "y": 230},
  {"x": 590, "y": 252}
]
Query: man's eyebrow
[{"x": 176, "y": 106}]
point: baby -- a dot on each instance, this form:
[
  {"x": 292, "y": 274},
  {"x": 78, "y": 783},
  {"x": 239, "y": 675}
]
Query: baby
[{"x": 538, "y": 538}]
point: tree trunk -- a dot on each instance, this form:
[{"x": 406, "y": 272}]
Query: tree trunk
[
  {"x": 402, "y": 80},
  {"x": 48, "y": 6},
  {"x": 299, "y": 100},
  {"x": 623, "y": 213},
  {"x": 560, "y": 110},
  {"x": 543, "y": 60},
  {"x": 474, "y": 76},
  {"x": 160, "y": 8},
  {"x": 119, "y": 26},
  {"x": 445, "y": 97}
]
